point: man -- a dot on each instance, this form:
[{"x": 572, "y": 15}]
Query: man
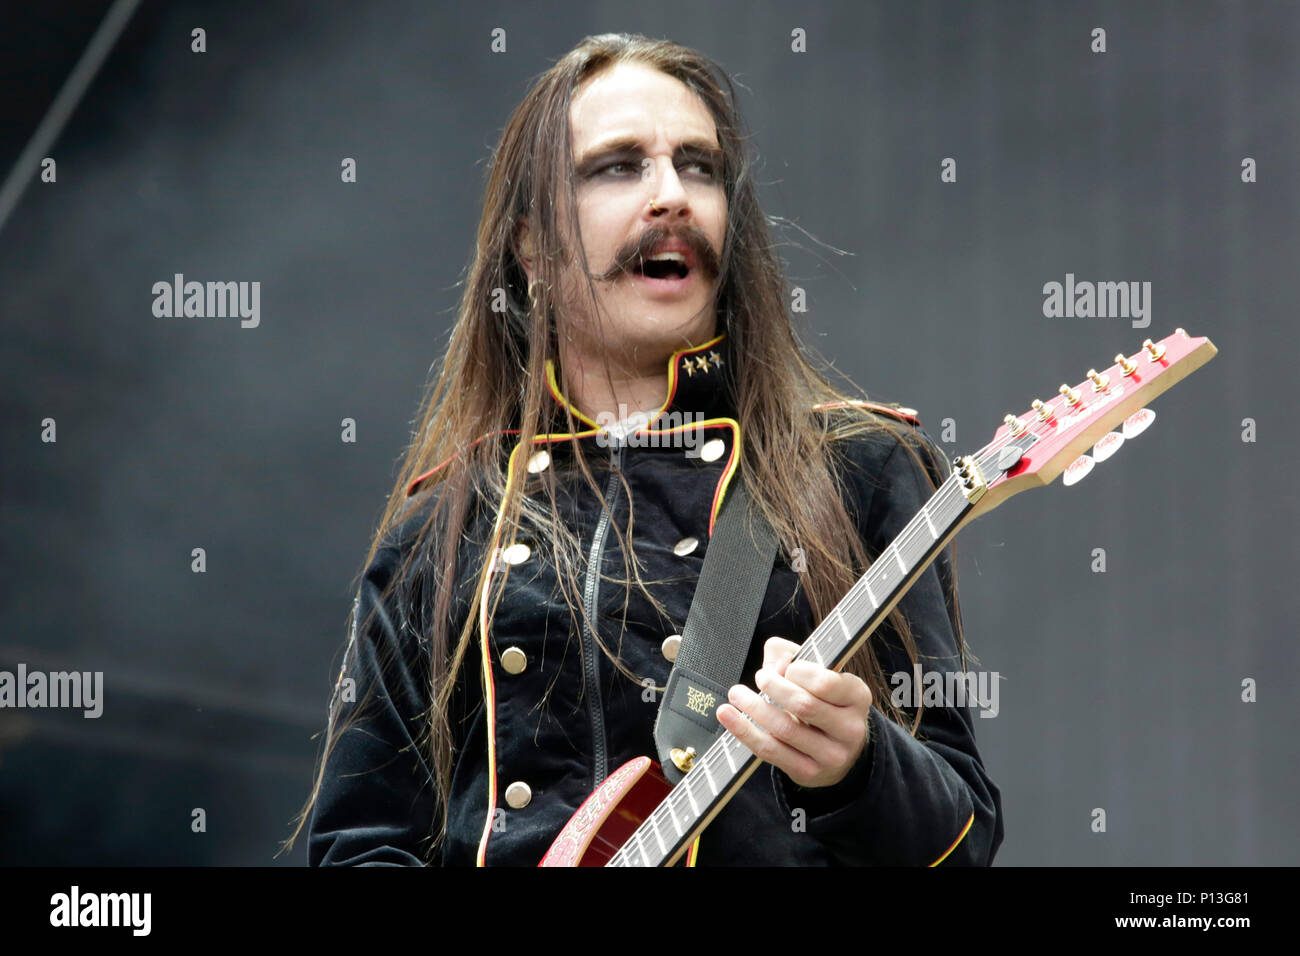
[{"x": 622, "y": 352}]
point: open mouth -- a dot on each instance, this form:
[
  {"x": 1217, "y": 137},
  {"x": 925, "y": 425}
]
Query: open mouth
[{"x": 671, "y": 267}]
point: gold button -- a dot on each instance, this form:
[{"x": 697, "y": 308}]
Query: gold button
[
  {"x": 670, "y": 646},
  {"x": 713, "y": 449},
  {"x": 514, "y": 660},
  {"x": 685, "y": 546},
  {"x": 516, "y": 553},
  {"x": 519, "y": 795},
  {"x": 539, "y": 461}
]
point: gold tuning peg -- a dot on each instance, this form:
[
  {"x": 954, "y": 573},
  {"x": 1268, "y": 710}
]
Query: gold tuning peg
[
  {"x": 1071, "y": 395},
  {"x": 1044, "y": 410},
  {"x": 1015, "y": 424},
  {"x": 1128, "y": 366},
  {"x": 1181, "y": 331},
  {"x": 1099, "y": 382},
  {"x": 1154, "y": 352}
]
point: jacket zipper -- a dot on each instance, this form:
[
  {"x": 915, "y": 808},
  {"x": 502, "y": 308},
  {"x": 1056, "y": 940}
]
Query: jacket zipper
[{"x": 590, "y": 650}]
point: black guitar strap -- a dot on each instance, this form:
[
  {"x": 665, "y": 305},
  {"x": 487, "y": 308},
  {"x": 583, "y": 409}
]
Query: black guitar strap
[{"x": 718, "y": 632}]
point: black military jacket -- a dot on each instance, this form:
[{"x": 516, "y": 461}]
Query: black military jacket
[{"x": 557, "y": 717}]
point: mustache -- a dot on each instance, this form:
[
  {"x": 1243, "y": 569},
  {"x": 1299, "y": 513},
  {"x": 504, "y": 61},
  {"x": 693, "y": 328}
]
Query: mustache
[{"x": 635, "y": 251}]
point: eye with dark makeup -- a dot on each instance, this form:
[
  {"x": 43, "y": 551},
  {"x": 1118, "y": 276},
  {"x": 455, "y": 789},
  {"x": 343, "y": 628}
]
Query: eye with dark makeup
[{"x": 707, "y": 170}]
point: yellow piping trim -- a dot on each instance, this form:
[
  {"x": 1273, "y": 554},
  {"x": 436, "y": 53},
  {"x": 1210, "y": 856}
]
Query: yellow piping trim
[
  {"x": 488, "y": 684},
  {"x": 961, "y": 836},
  {"x": 693, "y": 852},
  {"x": 721, "y": 490},
  {"x": 486, "y": 657},
  {"x": 672, "y": 381}
]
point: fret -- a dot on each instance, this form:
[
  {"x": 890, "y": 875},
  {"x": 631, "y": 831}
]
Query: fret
[
  {"x": 816, "y": 651},
  {"x": 663, "y": 815},
  {"x": 708, "y": 777},
  {"x": 669, "y": 807},
  {"x": 674, "y": 804},
  {"x": 731, "y": 760},
  {"x": 686, "y": 785},
  {"x": 902, "y": 565},
  {"x": 654, "y": 828},
  {"x": 858, "y": 608},
  {"x": 870, "y": 593},
  {"x": 925, "y": 510},
  {"x": 705, "y": 789},
  {"x": 670, "y": 833},
  {"x": 645, "y": 857}
]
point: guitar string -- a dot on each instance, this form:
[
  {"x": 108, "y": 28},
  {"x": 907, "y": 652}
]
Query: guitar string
[
  {"x": 902, "y": 545},
  {"x": 664, "y": 812}
]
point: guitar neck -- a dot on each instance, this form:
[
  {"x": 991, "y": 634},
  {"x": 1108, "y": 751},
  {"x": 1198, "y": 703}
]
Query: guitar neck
[{"x": 716, "y": 776}]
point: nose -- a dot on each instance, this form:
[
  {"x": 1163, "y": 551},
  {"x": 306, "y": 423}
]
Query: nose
[{"x": 669, "y": 196}]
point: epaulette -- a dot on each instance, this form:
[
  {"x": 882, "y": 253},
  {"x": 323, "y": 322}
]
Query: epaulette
[{"x": 908, "y": 415}]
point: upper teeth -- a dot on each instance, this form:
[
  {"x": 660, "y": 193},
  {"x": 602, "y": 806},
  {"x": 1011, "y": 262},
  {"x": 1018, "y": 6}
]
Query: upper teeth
[{"x": 669, "y": 257}]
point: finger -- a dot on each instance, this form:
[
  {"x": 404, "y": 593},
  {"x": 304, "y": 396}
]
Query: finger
[
  {"x": 797, "y": 765},
  {"x": 843, "y": 690},
  {"x": 785, "y": 728},
  {"x": 836, "y": 721},
  {"x": 844, "y": 725},
  {"x": 778, "y": 653}
]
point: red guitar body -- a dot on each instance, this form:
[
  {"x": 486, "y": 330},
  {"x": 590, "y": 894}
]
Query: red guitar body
[{"x": 610, "y": 815}]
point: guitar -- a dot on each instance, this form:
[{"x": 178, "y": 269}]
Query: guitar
[{"x": 637, "y": 818}]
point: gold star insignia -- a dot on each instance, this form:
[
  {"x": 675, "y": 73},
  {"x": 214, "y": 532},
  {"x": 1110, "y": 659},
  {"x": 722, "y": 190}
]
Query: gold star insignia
[
  {"x": 717, "y": 359},
  {"x": 702, "y": 363},
  {"x": 690, "y": 369}
]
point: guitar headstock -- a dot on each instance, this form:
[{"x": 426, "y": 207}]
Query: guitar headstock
[{"x": 1055, "y": 434}]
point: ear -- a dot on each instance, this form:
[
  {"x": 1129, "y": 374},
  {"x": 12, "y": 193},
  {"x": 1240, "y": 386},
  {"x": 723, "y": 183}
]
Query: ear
[{"x": 525, "y": 248}]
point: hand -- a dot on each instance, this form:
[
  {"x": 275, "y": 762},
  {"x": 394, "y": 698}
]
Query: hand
[{"x": 819, "y": 729}]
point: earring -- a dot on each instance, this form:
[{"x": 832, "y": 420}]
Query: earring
[{"x": 532, "y": 295}]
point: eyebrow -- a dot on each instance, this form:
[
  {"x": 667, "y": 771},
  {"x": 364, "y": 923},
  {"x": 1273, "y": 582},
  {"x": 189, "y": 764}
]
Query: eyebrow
[{"x": 629, "y": 145}]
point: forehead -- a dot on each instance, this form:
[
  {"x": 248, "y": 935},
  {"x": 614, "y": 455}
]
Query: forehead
[{"x": 633, "y": 100}]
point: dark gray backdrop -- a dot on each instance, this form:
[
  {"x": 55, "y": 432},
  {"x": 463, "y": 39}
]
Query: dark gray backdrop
[{"x": 1120, "y": 690}]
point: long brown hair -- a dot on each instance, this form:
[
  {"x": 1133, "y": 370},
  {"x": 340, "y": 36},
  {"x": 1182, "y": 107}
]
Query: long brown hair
[{"x": 492, "y": 380}]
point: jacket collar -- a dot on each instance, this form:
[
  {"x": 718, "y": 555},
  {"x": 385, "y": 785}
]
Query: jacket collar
[{"x": 699, "y": 384}]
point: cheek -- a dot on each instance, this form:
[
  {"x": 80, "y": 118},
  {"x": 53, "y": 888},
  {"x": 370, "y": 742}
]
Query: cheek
[{"x": 599, "y": 241}]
